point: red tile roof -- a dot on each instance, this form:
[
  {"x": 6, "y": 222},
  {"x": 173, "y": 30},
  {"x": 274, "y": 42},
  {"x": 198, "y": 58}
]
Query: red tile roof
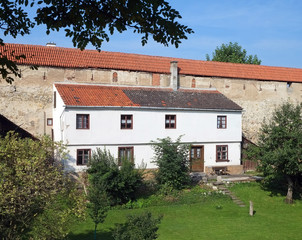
[
  {"x": 113, "y": 96},
  {"x": 74, "y": 58}
]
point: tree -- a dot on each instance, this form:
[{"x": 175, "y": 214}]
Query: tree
[
  {"x": 139, "y": 227},
  {"x": 280, "y": 146},
  {"x": 233, "y": 53},
  {"x": 98, "y": 205},
  {"x": 30, "y": 181},
  {"x": 172, "y": 159},
  {"x": 89, "y": 22},
  {"x": 120, "y": 183}
]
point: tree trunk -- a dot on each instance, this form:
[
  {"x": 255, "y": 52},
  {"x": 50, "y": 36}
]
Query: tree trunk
[
  {"x": 289, "y": 196},
  {"x": 95, "y": 226}
]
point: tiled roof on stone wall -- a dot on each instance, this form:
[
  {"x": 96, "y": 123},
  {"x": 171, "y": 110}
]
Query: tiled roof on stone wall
[
  {"x": 113, "y": 96},
  {"x": 74, "y": 58}
]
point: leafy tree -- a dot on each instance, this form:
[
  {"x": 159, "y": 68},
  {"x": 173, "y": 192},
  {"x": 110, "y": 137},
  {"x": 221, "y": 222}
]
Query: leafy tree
[
  {"x": 89, "y": 22},
  {"x": 233, "y": 53},
  {"x": 119, "y": 182},
  {"x": 98, "y": 205},
  {"x": 138, "y": 227},
  {"x": 280, "y": 146},
  {"x": 30, "y": 181},
  {"x": 172, "y": 159}
]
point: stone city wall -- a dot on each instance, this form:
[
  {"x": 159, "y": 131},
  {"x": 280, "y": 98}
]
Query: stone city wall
[{"x": 28, "y": 101}]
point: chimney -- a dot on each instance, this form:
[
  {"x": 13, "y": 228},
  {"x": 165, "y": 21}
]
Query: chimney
[
  {"x": 174, "y": 76},
  {"x": 51, "y": 44}
]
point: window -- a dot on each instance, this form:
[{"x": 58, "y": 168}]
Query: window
[
  {"x": 82, "y": 121},
  {"x": 221, "y": 121},
  {"x": 83, "y": 156},
  {"x": 170, "y": 121},
  {"x": 222, "y": 153},
  {"x": 126, "y": 122},
  {"x": 288, "y": 84},
  {"x": 49, "y": 122},
  {"x": 125, "y": 153}
]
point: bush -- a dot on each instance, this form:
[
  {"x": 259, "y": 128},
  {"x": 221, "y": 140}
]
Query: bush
[
  {"x": 172, "y": 159},
  {"x": 59, "y": 216},
  {"x": 119, "y": 183},
  {"x": 137, "y": 227}
]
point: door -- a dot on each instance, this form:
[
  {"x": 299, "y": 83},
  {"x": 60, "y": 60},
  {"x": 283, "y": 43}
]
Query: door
[{"x": 197, "y": 158}]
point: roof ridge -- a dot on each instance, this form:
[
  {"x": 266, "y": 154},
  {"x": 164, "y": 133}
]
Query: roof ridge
[
  {"x": 75, "y": 58},
  {"x": 135, "y": 87}
]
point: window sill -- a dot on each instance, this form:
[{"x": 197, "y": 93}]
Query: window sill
[{"x": 222, "y": 160}]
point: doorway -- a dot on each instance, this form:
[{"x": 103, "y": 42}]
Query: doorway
[{"x": 197, "y": 158}]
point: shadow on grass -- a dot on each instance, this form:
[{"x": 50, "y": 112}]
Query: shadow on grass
[
  {"x": 88, "y": 235},
  {"x": 278, "y": 186}
]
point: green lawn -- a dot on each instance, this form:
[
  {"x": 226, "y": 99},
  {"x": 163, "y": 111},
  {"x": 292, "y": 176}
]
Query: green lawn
[{"x": 205, "y": 220}]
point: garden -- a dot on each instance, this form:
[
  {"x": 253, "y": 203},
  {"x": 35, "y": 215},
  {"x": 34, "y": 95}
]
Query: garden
[
  {"x": 114, "y": 200},
  {"x": 196, "y": 215}
]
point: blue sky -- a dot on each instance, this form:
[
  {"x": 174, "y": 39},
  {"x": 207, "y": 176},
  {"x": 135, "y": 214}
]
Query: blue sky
[{"x": 271, "y": 29}]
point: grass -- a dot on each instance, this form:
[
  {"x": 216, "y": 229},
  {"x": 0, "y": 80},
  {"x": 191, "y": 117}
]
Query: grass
[{"x": 215, "y": 218}]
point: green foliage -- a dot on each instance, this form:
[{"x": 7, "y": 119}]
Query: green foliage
[
  {"x": 98, "y": 205},
  {"x": 30, "y": 181},
  {"x": 197, "y": 194},
  {"x": 233, "y": 53},
  {"x": 139, "y": 227},
  {"x": 119, "y": 183},
  {"x": 81, "y": 21},
  {"x": 279, "y": 147},
  {"x": 59, "y": 215},
  {"x": 172, "y": 159}
]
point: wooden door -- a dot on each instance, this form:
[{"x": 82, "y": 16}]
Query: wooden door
[{"x": 197, "y": 158}]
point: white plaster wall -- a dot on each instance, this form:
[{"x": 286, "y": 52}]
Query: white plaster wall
[
  {"x": 58, "y": 118},
  {"x": 148, "y": 125},
  {"x": 144, "y": 155},
  {"x": 197, "y": 128}
]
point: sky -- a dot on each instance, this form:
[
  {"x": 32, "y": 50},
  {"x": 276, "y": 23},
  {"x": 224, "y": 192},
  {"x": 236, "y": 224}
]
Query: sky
[{"x": 270, "y": 29}]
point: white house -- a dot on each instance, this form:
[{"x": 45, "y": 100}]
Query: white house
[{"x": 124, "y": 120}]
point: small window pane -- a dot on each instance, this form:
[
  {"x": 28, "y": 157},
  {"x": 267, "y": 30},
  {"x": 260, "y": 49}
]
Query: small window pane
[
  {"x": 49, "y": 122},
  {"x": 221, "y": 121},
  {"x": 82, "y": 121},
  {"x": 170, "y": 121},
  {"x": 126, "y": 122}
]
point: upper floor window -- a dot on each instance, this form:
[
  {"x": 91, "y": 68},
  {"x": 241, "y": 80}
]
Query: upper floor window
[
  {"x": 170, "y": 121},
  {"x": 126, "y": 121},
  {"x": 83, "y": 156},
  {"x": 125, "y": 153},
  {"x": 82, "y": 121},
  {"x": 221, "y": 122},
  {"x": 222, "y": 153}
]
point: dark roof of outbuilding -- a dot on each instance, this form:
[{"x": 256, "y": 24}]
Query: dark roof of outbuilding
[{"x": 113, "y": 96}]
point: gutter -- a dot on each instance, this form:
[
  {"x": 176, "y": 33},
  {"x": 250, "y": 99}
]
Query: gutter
[{"x": 153, "y": 108}]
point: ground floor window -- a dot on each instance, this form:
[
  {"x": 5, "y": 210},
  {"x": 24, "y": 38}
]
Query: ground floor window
[
  {"x": 125, "y": 153},
  {"x": 83, "y": 156},
  {"x": 222, "y": 153}
]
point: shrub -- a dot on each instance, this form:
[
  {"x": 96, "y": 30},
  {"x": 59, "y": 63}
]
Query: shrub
[
  {"x": 172, "y": 159},
  {"x": 59, "y": 216},
  {"x": 137, "y": 227},
  {"x": 119, "y": 183}
]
